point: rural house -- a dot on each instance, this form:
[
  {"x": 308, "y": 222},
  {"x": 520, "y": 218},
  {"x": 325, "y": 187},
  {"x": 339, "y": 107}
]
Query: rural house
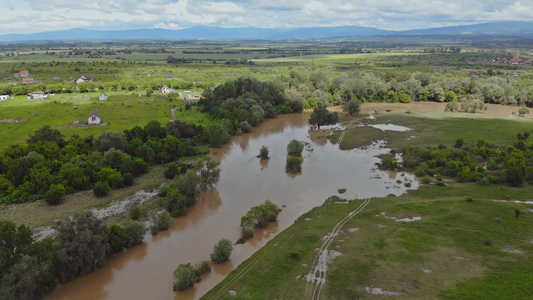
[
  {"x": 94, "y": 118},
  {"x": 38, "y": 95},
  {"x": 169, "y": 77},
  {"x": 4, "y": 97},
  {"x": 22, "y": 74},
  {"x": 165, "y": 90},
  {"x": 29, "y": 80},
  {"x": 85, "y": 78},
  {"x": 102, "y": 97}
]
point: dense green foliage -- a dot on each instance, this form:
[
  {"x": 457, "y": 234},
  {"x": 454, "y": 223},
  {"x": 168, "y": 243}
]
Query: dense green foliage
[
  {"x": 483, "y": 162},
  {"x": 185, "y": 276},
  {"x": 221, "y": 251},
  {"x": 295, "y": 148},
  {"x": 161, "y": 221},
  {"x": 261, "y": 215},
  {"x": 263, "y": 153},
  {"x": 293, "y": 164},
  {"x": 321, "y": 116}
]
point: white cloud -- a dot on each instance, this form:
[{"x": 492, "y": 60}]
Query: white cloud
[{"x": 122, "y": 14}]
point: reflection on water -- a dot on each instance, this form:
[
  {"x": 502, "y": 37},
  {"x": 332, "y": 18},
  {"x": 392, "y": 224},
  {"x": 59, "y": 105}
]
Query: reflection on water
[{"x": 145, "y": 271}]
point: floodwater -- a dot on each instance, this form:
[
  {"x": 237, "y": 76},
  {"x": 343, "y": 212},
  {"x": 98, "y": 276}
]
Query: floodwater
[{"x": 145, "y": 271}]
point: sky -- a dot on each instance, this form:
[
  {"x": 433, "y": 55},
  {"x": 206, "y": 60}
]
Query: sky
[{"x": 31, "y": 16}]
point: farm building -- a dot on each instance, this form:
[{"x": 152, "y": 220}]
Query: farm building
[
  {"x": 85, "y": 78},
  {"x": 165, "y": 90},
  {"x": 94, "y": 118},
  {"x": 38, "y": 95},
  {"x": 29, "y": 80},
  {"x": 22, "y": 74},
  {"x": 102, "y": 97},
  {"x": 169, "y": 77}
]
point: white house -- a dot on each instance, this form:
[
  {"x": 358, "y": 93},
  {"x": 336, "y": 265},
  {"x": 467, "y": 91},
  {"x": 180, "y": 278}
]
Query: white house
[
  {"x": 94, "y": 118},
  {"x": 102, "y": 97},
  {"x": 165, "y": 90},
  {"x": 85, "y": 78},
  {"x": 4, "y": 97},
  {"x": 37, "y": 95}
]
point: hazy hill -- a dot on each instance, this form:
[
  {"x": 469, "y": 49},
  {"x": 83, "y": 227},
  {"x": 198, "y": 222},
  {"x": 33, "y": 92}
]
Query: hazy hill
[{"x": 488, "y": 30}]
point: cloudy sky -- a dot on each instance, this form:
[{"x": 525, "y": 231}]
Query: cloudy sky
[{"x": 29, "y": 16}]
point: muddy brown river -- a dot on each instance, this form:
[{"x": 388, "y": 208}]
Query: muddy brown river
[{"x": 145, "y": 271}]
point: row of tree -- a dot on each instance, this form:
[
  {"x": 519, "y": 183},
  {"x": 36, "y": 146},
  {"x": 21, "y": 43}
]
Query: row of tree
[{"x": 81, "y": 244}]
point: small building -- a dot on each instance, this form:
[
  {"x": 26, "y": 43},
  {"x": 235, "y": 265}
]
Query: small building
[
  {"x": 168, "y": 76},
  {"x": 37, "y": 95},
  {"x": 4, "y": 97},
  {"x": 85, "y": 78},
  {"x": 29, "y": 80},
  {"x": 22, "y": 74},
  {"x": 438, "y": 70},
  {"x": 165, "y": 90},
  {"x": 516, "y": 75},
  {"x": 94, "y": 118},
  {"x": 102, "y": 97}
]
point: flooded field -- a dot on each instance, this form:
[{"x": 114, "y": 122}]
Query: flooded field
[{"x": 145, "y": 271}]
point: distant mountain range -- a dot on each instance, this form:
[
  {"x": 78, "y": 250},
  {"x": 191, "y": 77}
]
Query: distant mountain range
[{"x": 514, "y": 29}]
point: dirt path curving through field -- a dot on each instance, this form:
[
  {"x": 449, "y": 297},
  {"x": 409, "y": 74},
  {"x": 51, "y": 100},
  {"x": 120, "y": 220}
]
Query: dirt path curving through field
[{"x": 317, "y": 274}]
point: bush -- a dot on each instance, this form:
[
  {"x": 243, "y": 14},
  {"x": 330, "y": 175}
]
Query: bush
[
  {"x": 118, "y": 239},
  {"x": 128, "y": 179},
  {"x": 135, "y": 213},
  {"x": 294, "y": 164},
  {"x": 135, "y": 231},
  {"x": 160, "y": 221},
  {"x": 101, "y": 189},
  {"x": 203, "y": 267},
  {"x": 246, "y": 234},
  {"x": 221, "y": 251},
  {"x": 171, "y": 171},
  {"x": 185, "y": 276},
  {"x": 426, "y": 179},
  {"x": 261, "y": 215},
  {"x": 263, "y": 153},
  {"x": 295, "y": 148},
  {"x": 55, "y": 194}
]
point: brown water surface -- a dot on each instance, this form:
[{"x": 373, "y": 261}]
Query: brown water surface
[{"x": 145, "y": 271}]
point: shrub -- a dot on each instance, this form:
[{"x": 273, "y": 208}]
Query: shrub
[
  {"x": 135, "y": 213},
  {"x": 160, "y": 221},
  {"x": 246, "y": 234},
  {"x": 55, "y": 194},
  {"x": 295, "y": 148},
  {"x": 171, "y": 171},
  {"x": 294, "y": 164},
  {"x": 185, "y": 276},
  {"x": 459, "y": 142},
  {"x": 221, "y": 251},
  {"x": 128, "y": 179},
  {"x": 203, "y": 267},
  {"x": 263, "y": 153},
  {"x": 426, "y": 179},
  {"x": 118, "y": 239},
  {"x": 261, "y": 215},
  {"x": 101, "y": 189},
  {"x": 135, "y": 231}
]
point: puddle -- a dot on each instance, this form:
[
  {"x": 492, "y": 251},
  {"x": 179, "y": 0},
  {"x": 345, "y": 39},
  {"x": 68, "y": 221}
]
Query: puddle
[
  {"x": 390, "y": 127},
  {"x": 427, "y": 271},
  {"x": 413, "y": 219},
  {"x": 382, "y": 292},
  {"x": 318, "y": 274},
  {"x": 513, "y": 251}
]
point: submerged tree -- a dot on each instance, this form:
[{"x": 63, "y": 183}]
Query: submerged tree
[{"x": 321, "y": 116}]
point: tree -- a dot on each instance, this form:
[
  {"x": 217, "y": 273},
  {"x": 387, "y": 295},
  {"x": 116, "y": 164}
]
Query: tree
[
  {"x": 118, "y": 239},
  {"x": 160, "y": 221},
  {"x": 294, "y": 164},
  {"x": 110, "y": 139},
  {"x": 185, "y": 276},
  {"x": 295, "y": 148},
  {"x": 47, "y": 134},
  {"x": 523, "y": 111},
  {"x": 55, "y": 194},
  {"x": 84, "y": 245},
  {"x": 135, "y": 231},
  {"x": 261, "y": 215},
  {"x": 263, "y": 153},
  {"x": 352, "y": 107},
  {"x": 101, "y": 189},
  {"x": 209, "y": 172},
  {"x": 221, "y": 251},
  {"x": 321, "y": 116}
]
